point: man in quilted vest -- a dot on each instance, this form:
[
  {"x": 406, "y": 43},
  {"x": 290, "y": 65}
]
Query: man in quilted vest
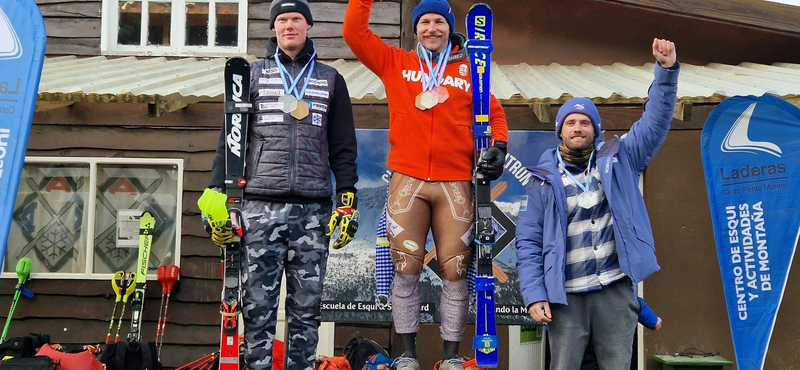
[{"x": 300, "y": 133}]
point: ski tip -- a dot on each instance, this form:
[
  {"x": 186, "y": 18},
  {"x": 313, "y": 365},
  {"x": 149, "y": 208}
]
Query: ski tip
[
  {"x": 147, "y": 219},
  {"x": 477, "y": 6},
  {"x": 237, "y": 62}
]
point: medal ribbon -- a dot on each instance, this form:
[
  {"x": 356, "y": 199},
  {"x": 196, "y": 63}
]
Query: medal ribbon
[
  {"x": 292, "y": 89},
  {"x": 436, "y": 75},
  {"x": 584, "y": 187}
]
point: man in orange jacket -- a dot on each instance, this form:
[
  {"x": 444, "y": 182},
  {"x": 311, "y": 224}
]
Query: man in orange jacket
[{"x": 432, "y": 151}]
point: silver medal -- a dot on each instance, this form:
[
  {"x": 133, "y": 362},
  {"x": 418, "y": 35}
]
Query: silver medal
[
  {"x": 289, "y": 103},
  {"x": 588, "y": 199}
]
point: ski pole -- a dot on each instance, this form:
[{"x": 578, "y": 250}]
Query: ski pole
[
  {"x": 128, "y": 282},
  {"x": 168, "y": 280},
  {"x": 160, "y": 272},
  {"x": 195, "y": 362},
  {"x": 23, "y": 273},
  {"x": 201, "y": 362},
  {"x": 119, "y": 290}
]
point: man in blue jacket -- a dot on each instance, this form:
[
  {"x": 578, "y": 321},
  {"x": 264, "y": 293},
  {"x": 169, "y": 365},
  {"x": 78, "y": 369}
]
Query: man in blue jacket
[{"x": 584, "y": 237}]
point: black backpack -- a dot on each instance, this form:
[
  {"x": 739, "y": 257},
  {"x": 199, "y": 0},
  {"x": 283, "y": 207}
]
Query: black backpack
[
  {"x": 358, "y": 350},
  {"x": 131, "y": 356},
  {"x": 28, "y": 363},
  {"x": 23, "y": 346}
]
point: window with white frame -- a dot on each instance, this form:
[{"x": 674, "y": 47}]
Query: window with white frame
[
  {"x": 65, "y": 216},
  {"x": 174, "y": 27}
]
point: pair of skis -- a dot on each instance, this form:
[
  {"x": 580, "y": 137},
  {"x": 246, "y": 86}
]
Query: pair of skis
[
  {"x": 237, "y": 115},
  {"x": 147, "y": 225},
  {"x": 479, "y": 48},
  {"x": 133, "y": 284}
]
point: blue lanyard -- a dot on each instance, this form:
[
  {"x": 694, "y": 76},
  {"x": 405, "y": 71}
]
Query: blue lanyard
[
  {"x": 436, "y": 74},
  {"x": 587, "y": 171},
  {"x": 292, "y": 89}
]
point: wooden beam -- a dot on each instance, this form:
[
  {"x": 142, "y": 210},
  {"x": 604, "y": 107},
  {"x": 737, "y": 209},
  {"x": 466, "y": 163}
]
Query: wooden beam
[
  {"x": 71, "y": 9},
  {"x": 162, "y": 107},
  {"x": 542, "y": 112},
  {"x": 72, "y": 27},
  {"x": 759, "y": 14},
  {"x": 683, "y": 111},
  {"x": 794, "y": 100},
  {"x": 66, "y": 137},
  {"x": 43, "y": 106},
  {"x": 106, "y": 114}
]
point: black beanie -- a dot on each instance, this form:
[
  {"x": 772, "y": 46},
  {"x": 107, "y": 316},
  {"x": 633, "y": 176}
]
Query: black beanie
[{"x": 279, "y": 7}]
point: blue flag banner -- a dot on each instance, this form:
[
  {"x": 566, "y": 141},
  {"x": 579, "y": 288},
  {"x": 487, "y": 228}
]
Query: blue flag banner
[
  {"x": 750, "y": 147},
  {"x": 22, "y": 47}
]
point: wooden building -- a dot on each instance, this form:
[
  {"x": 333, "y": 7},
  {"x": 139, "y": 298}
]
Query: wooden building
[{"x": 545, "y": 51}]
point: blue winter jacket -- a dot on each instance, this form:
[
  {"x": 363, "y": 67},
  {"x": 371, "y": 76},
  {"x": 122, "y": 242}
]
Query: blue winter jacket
[{"x": 542, "y": 223}]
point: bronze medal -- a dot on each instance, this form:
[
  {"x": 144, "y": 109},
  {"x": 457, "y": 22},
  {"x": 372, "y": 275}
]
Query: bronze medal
[
  {"x": 430, "y": 100},
  {"x": 301, "y": 111},
  {"x": 442, "y": 94}
]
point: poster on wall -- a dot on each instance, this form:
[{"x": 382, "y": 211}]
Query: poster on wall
[
  {"x": 350, "y": 293},
  {"x": 750, "y": 147},
  {"x": 22, "y": 47},
  {"x": 51, "y": 218}
]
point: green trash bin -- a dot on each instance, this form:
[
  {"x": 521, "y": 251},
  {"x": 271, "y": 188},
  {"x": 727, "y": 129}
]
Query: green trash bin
[{"x": 672, "y": 362}]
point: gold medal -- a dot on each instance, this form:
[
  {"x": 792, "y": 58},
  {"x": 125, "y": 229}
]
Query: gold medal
[
  {"x": 418, "y": 101},
  {"x": 441, "y": 93},
  {"x": 289, "y": 103},
  {"x": 301, "y": 111},
  {"x": 426, "y": 100}
]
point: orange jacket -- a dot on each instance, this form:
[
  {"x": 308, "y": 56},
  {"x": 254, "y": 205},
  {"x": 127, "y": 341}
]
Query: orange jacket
[{"x": 434, "y": 144}]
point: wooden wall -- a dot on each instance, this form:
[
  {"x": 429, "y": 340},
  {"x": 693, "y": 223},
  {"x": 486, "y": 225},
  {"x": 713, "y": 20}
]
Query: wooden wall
[
  {"x": 73, "y": 26},
  {"x": 539, "y": 33},
  {"x": 77, "y": 311},
  {"x": 327, "y": 29}
]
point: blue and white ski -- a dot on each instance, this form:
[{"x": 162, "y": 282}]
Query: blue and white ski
[{"x": 479, "y": 48}]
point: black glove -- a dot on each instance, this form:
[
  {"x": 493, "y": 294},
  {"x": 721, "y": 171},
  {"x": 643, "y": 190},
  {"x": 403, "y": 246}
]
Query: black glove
[
  {"x": 344, "y": 218},
  {"x": 493, "y": 160}
]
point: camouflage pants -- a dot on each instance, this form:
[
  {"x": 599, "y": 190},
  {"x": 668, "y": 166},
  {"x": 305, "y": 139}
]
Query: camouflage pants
[{"x": 292, "y": 237}]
